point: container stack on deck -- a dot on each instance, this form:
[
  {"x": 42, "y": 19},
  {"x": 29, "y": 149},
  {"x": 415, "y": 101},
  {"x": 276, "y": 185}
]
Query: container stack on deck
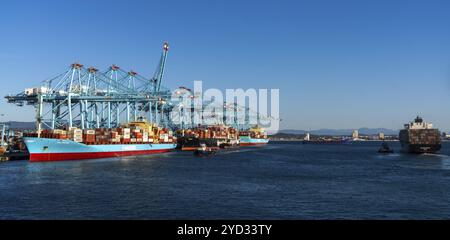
[
  {"x": 253, "y": 134},
  {"x": 132, "y": 134},
  {"x": 76, "y": 135},
  {"x": 211, "y": 132},
  {"x": 424, "y": 136},
  {"x": 89, "y": 136},
  {"x": 212, "y": 136},
  {"x": 125, "y": 135}
]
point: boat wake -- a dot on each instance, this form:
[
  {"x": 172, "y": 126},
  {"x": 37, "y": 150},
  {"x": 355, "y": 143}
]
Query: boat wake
[
  {"x": 434, "y": 155},
  {"x": 247, "y": 149},
  {"x": 427, "y": 161},
  {"x": 224, "y": 152}
]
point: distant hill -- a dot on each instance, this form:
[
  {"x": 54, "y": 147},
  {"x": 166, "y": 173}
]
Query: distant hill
[
  {"x": 343, "y": 132},
  {"x": 332, "y": 132},
  {"x": 21, "y": 125}
]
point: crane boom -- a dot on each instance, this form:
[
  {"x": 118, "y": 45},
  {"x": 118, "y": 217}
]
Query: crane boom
[{"x": 159, "y": 75}]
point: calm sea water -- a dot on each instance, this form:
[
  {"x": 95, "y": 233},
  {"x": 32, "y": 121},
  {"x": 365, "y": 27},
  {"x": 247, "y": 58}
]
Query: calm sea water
[{"x": 279, "y": 181}]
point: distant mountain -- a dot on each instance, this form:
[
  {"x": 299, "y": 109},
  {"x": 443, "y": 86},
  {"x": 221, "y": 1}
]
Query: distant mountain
[
  {"x": 292, "y": 131},
  {"x": 372, "y": 131},
  {"x": 343, "y": 132}
]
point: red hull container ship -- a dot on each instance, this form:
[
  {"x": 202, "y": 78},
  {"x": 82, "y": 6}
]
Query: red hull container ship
[{"x": 135, "y": 138}]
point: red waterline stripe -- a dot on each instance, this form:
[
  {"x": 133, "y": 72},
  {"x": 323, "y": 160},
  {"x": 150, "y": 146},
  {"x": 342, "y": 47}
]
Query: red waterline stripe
[
  {"x": 251, "y": 144},
  {"x": 51, "y": 157},
  {"x": 189, "y": 148}
]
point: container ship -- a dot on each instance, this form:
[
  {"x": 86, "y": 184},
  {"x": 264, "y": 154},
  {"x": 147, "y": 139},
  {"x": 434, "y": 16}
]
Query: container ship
[
  {"x": 134, "y": 138},
  {"x": 253, "y": 137},
  {"x": 217, "y": 136},
  {"x": 420, "y": 137}
]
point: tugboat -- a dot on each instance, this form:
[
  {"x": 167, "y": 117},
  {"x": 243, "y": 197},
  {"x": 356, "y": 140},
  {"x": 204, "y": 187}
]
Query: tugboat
[
  {"x": 420, "y": 137},
  {"x": 204, "y": 151},
  {"x": 385, "y": 148}
]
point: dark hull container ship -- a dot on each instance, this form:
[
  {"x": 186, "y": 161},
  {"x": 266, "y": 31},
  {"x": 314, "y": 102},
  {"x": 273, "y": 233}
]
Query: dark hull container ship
[
  {"x": 420, "y": 137},
  {"x": 217, "y": 136}
]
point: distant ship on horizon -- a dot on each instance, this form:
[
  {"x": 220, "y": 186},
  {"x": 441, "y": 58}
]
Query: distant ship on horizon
[{"x": 307, "y": 140}]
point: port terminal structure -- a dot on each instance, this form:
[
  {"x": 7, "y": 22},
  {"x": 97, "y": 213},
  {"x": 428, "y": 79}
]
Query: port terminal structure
[
  {"x": 5, "y": 133},
  {"x": 212, "y": 112},
  {"x": 86, "y": 98}
]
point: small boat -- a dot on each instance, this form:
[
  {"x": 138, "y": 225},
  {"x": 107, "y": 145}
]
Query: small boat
[
  {"x": 228, "y": 146},
  {"x": 385, "y": 148},
  {"x": 204, "y": 151}
]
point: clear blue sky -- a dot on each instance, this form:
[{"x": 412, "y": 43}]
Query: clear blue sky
[{"x": 338, "y": 64}]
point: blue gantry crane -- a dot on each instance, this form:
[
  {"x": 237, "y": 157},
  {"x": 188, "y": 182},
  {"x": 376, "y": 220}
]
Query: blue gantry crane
[
  {"x": 88, "y": 98},
  {"x": 211, "y": 112}
]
